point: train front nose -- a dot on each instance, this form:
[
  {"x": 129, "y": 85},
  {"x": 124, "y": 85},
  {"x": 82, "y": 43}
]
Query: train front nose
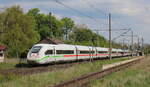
[
  {"x": 34, "y": 53},
  {"x": 32, "y": 58}
]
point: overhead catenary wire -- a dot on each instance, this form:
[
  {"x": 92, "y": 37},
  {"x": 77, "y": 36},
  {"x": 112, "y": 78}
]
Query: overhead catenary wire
[
  {"x": 61, "y": 3},
  {"x": 92, "y": 6},
  {"x": 112, "y": 30},
  {"x": 99, "y": 10},
  {"x": 96, "y": 9},
  {"x": 122, "y": 34},
  {"x": 83, "y": 14}
]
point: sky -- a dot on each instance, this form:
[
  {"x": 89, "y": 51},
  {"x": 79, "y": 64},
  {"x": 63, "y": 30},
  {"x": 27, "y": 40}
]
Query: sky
[{"x": 126, "y": 14}]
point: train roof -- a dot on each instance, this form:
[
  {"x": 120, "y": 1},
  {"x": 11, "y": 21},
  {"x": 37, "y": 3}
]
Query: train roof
[
  {"x": 80, "y": 47},
  {"x": 44, "y": 45}
]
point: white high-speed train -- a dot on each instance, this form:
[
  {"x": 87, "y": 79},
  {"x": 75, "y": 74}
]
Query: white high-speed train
[{"x": 48, "y": 53}]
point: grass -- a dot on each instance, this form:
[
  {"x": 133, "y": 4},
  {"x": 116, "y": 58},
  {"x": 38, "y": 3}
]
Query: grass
[
  {"x": 11, "y": 64},
  {"x": 135, "y": 76},
  {"x": 6, "y": 78},
  {"x": 52, "y": 78},
  {"x": 7, "y": 65}
]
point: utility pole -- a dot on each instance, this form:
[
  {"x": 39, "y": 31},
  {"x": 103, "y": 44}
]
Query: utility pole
[
  {"x": 98, "y": 39},
  {"x": 132, "y": 43},
  {"x": 138, "y": 43},
  {"x": 123, "y": 44},
  {"x": 142, "y": 43},
  {"x": 0, "y": 35},
  {"x": 123, "y": 47},
  {"x": 138, "y": 46},
  {"x": 142, "y": 46},
  {"x": 50, "y": 24},
  {"x": 97, "y": 32},
  {"x": 110, "y": 48}
]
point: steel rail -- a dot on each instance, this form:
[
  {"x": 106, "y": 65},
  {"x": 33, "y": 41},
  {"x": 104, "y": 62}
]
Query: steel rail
[{"x": 85, "y": 78}]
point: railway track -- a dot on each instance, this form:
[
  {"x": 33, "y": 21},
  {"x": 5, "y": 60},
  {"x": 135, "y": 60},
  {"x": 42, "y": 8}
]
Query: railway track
[
  {"x": 48, "y": 68},
  {"x": 35, "y": 70},
  {"x": 81, "y": 81},
  {"x": 40, "y": 69}
]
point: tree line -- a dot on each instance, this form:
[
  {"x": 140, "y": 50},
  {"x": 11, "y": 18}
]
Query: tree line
[{"x": 21, "y": 30}]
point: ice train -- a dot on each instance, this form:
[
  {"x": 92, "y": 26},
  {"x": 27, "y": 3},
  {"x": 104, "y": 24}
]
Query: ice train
[{"x": 48, "y": 53}]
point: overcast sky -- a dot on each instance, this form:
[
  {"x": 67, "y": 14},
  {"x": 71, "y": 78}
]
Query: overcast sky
[{"x": 134, "y": 14}]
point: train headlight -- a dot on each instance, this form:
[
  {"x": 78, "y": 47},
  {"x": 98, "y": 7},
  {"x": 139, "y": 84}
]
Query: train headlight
[{"x": 34, "y": 55}]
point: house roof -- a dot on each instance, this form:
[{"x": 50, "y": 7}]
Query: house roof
[
  {"x": 2, "y": 47},
  {"x": 50, "y": 41}
]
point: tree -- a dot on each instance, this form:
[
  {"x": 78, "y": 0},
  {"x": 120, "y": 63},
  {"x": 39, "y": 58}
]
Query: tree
[
  {"x": 82, "y": 35},
  {"x": 68, "y": 25},
  {"x": 56, "y": 27},
  {"x": 46, "y": 25},
  {"x": 19, "y": 27}
]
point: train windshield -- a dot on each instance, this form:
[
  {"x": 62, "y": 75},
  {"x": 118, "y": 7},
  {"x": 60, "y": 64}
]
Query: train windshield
[{"x": 36, "y": 49}]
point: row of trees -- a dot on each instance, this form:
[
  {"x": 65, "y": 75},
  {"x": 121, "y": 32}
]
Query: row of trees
[{"x": 20, "y": 30}]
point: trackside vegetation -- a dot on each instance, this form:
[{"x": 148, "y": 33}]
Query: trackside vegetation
[
  {"x": 21, "y": 30},
  {"x": 135, "y": 76},
  {"x": 55, "y": 77},
  {"x": 13, "y": 63}
]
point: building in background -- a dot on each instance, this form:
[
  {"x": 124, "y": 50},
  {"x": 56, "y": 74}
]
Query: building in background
[
  {"x": 50, "y": 41},
  {"x": 2, "y": 49}
]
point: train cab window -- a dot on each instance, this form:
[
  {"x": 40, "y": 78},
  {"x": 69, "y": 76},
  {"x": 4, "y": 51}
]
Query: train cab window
[
  {"x": 36, "y": 49},
  {"x": 64, "y": 51},
  {"x": 48, "y": 52},
  {"x": 84, "y": 52}
]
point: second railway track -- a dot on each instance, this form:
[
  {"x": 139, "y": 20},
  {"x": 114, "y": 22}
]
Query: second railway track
[{"x": 79, "y": 82}]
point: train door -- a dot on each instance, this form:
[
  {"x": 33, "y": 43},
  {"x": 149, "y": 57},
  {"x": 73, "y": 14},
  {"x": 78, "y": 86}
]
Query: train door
[
  {"x": 76, "y": 52},
  {"x": 54, "y": 53},
  {"x": 90, "y": 53},
  {"x": 96, "y": 52}
]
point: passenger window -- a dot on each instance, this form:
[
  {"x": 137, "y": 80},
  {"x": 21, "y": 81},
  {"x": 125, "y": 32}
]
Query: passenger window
[
  {"x": 92, "y": 52},
  {"x": 65, "y": 51},
  {"x": 84, "y": 52},
  {"x": 1, "y": 54},
  {"x": 48, "y": 52},
  {"x": 102, "y": 51},
  {"x": 114, "y": 52}
]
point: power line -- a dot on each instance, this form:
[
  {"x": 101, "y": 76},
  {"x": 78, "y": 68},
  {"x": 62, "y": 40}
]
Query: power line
[
  {"x": 59, "y": 2},
  {"x": 92, "y": 6},
  {"x": 97, "y": 9},
  {"x": 122, "y": 34},
  {"x": 81, "y": 13},
  {"x": 111, "y": 30}
]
